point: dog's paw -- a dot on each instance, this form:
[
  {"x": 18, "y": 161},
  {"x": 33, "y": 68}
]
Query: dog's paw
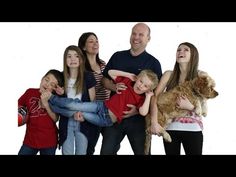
[
  {"x": 204, "y": 114},
  {"x": 198, "y": 111},
  {"x": 166, "y": 137}
]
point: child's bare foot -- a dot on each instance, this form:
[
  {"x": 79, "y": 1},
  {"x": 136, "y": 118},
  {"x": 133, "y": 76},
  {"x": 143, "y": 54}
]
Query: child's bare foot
[{"x": 78, "y": 116}]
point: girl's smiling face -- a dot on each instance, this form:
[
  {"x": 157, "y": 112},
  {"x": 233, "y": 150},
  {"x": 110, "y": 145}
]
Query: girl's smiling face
[{"x": 183, "y": 54}]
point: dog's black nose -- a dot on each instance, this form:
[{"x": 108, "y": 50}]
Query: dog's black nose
[{"x": 213, "y": 94}]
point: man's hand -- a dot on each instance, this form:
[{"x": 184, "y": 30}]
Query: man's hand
[
  {"x": 133, "y": 111},
  {"x": 119, "y": 87}
]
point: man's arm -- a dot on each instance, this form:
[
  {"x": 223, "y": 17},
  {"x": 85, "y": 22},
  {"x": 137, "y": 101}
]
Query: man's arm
[{"x": 108, "y": 84}]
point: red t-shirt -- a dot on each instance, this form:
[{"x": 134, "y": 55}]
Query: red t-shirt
[
  {"x": 118, "y": 102},
  {"x": 41, "y": 130}
]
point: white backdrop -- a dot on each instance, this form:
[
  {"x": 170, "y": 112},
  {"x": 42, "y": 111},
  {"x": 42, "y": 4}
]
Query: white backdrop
[{"x": 29, "y": 50}]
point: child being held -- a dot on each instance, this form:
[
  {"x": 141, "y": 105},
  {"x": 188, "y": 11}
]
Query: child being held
[{"x": 104, "y": 113}]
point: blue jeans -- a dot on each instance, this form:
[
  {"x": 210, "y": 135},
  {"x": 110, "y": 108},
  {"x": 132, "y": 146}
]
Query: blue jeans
[
  {"x": 76, "y": 142},
  {"x": 26, "y": 150},
  {"x": 94, "y": 112}
]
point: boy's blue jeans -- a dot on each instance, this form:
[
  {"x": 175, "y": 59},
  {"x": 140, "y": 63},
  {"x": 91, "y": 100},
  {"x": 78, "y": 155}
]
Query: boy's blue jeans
[
  {"x": 95, "y": 112},
  {"x": 26, "y": 150}
]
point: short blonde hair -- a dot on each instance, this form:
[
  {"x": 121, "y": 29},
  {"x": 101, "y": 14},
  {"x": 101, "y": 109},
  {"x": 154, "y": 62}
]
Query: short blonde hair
[{"x": 151, "y": 75}]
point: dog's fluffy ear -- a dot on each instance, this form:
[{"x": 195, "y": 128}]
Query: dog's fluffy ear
[
  {"x": 200, "y": 82},
  {"x": 211, "y": 82},
  {"x": 204, "y": 85}
]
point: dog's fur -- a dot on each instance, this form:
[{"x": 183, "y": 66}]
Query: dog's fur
[{"x": 197, "y": 91}]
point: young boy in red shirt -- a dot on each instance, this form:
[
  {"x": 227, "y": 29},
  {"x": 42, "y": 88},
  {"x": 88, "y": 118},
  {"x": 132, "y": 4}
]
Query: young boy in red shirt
[{"x": 41, "y": 131}]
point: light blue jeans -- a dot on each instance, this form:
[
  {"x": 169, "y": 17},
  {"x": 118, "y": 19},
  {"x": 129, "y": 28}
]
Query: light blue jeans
[
  {"x": 94, "y": 112},
  {"x": 76, "y": 142}
]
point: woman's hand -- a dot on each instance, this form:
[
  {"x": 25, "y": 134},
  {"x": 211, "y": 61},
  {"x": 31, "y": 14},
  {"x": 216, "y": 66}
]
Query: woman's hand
[{"x": 184, "y": 103}]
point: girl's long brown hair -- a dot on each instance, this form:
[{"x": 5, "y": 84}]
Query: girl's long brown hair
[{"x": 192, "y": 71}]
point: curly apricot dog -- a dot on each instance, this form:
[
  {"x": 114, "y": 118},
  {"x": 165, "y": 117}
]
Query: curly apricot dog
[{"x": 197, "y": 91}]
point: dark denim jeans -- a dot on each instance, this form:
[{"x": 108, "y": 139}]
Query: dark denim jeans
[
  {"x": 133, "y": 127},
  {"x": 26, "y": 150}
]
